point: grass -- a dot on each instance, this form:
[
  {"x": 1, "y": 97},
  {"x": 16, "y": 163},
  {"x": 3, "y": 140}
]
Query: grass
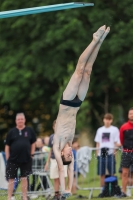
[
  {"x": 84, "y": 193},
  {"x": 90, "y": 181}
]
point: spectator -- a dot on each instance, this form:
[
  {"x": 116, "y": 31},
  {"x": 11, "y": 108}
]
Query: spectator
[
  {"x": 107, "y": 138},
  {"x": 126, "y": 137},
  {"x": 46, "y": 140},
  {"x": 54, "y": 174},
  {"x": 19, "y": 149}
]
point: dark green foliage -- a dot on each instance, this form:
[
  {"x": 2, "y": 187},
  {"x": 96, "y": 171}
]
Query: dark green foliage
[{"x": 38, "y": 54}]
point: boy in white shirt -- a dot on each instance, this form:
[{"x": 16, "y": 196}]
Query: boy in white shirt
[{"x": 107, "y": 138}]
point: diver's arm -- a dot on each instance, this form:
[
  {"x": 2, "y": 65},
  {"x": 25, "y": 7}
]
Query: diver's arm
[
  {"x": 57, "y": 154},
  {"x": 70, "y": 175}
]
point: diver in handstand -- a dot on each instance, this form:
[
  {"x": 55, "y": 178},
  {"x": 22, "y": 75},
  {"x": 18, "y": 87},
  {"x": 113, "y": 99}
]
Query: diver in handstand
[{"x": 72, "y": 98}]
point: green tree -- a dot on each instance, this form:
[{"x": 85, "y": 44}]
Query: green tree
[{"x": 38, "y": 54}]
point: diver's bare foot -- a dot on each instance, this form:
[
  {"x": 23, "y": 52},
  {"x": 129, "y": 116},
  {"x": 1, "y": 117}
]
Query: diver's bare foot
[
  {"x": 105, "y": 34},
  {"x": 97, "y": 35}
]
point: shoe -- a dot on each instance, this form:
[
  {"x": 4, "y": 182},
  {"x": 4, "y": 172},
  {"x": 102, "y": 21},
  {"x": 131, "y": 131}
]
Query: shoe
[
  {"x": 128, "y": 193},
  {"x": 65, "y": 195},
  {"x": 123, "y": 195}
]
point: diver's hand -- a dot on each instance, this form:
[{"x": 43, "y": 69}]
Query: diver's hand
[{"x": 66, "y": 193}]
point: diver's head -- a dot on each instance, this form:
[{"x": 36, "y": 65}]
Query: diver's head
[{"x": 66, "y": 155}]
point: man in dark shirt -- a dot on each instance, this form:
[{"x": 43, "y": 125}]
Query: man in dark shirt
[
  {"x": 19, "y": 149},
  {"x": 126, "y": 137}
]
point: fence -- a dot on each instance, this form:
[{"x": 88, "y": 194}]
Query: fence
[
  {"x": 40, "y": 178},
  {"x": 90, "y": 182}
]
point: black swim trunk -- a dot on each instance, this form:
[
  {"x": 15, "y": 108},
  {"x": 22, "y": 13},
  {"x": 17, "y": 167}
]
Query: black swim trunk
[
  {"x": 76, "y": 102},
  {"x": 127, "y": 159},
  {"x": 12, "y": 169}
]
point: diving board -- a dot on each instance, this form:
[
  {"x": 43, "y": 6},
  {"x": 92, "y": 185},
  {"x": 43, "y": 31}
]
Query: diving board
[{"x": 42, "y": 9}]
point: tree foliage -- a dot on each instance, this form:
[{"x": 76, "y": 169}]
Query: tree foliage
[{"x": 38, "y": 54}]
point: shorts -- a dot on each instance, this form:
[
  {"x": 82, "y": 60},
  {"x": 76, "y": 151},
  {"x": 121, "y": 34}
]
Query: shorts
[
  {"x": 54, "y": 172},
  {"x": 12, "y": 169},
  {"x": 127, "y": 159},
  {"x": 130, "y": 169},
  {"x": 108, "y": 163}
]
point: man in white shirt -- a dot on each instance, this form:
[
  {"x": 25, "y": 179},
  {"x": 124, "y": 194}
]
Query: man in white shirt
[{"x": 107, "y": 138}]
